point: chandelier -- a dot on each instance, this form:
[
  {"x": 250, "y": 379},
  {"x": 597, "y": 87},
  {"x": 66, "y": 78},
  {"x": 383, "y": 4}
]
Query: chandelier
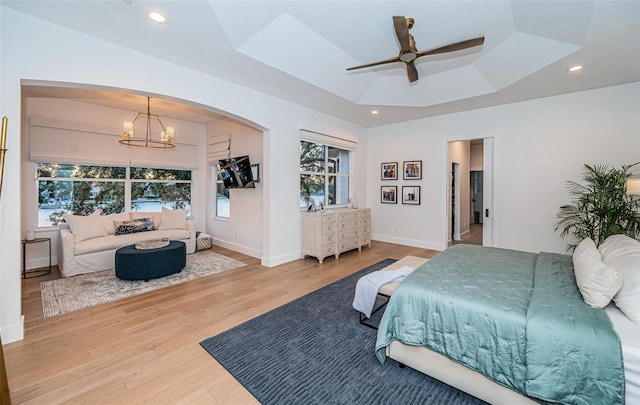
[{"x": 165, "y": 141}]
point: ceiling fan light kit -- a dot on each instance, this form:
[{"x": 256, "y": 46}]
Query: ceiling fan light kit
[{"x": 408, "y": 52}]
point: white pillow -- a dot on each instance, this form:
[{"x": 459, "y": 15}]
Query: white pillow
[
  {"x": 107, "y": 221},
  {"x": 597, "y": 282},
  {"x": 85, "y": 227},
  {"x": 173, "y": 219},
  {"x": 623, "y": 254}
]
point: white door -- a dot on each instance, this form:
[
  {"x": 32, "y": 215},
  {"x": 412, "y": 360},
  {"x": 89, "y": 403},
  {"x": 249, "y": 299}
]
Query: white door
[{"x": 487, "y": 197}]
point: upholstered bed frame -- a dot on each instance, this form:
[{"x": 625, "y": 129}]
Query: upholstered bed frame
[{"x": 454, "y": 374}]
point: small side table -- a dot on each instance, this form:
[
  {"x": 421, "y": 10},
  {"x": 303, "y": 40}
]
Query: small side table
[{"x": 34, "y": 273}]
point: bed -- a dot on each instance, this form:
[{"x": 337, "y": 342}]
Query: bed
[{"x": 511, "y": 327}]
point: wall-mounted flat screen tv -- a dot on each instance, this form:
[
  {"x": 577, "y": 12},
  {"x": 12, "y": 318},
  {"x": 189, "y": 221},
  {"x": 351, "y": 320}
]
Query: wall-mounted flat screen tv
[{"x": 236, "y": 172}]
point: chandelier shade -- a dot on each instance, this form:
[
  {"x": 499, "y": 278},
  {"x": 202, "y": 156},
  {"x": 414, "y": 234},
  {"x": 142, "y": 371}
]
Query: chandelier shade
[{"x": 164, "y": 141}]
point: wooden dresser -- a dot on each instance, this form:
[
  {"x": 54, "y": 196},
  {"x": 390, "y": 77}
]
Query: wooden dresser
[{"x": 331, "y": 232}]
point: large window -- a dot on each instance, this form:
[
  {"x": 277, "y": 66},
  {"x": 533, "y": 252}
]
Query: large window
[
  {"x": 324, "y": 174},
  {"x": 221, "y": 193},
  {"x": 152, "y": 189},
  {"x": 81, "y": 189}
]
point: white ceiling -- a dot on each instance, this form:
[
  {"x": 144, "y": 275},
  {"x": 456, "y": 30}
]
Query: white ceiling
[{"x": 299, "y": 50}]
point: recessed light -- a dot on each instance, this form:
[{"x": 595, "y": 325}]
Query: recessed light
[
  {"x": 374, "y": 112},
  {"x": 158, "y": 17},
  {"x": 575, "y": 68}
]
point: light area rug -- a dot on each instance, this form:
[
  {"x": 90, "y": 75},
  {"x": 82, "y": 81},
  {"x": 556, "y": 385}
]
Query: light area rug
[{"x": 86, "y": 290}]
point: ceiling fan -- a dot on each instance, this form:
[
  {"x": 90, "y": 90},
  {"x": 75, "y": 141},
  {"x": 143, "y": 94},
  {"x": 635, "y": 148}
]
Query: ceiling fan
[{"x": 408, "y": 52}]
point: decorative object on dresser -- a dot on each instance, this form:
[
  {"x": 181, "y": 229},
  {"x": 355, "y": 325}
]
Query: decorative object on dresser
[{"x": 331, "y": 232}]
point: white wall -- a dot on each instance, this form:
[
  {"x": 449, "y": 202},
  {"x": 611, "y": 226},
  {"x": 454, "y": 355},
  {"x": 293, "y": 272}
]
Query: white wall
[
  {"x": 477, "y": 151},
  {"x": 242, "y": 231},
  {"x": 34, "y": 50},
  {"x": 538, "y": 146}
]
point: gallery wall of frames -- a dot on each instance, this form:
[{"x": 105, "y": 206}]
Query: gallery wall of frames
[{"x": 408, "y": 193}]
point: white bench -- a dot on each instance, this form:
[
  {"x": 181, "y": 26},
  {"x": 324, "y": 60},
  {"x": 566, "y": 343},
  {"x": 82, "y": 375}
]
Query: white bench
[{"x": 386, "y": 290}]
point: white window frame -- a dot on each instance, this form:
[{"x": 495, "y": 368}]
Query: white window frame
[
  {"x": 127, "y": 181},
  {"x": 344, "y": 143}
]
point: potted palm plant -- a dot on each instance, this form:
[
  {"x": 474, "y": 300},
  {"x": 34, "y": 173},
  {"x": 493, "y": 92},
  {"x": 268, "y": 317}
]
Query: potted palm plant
[{"x": 601, "y": 207}]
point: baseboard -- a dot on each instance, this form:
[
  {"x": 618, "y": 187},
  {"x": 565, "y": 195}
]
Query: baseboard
[
  {"x": 238, "y": 248},
  {"x": 40, "y": 262},
  {"x": 278, "y": 260},
  {"x": 13, "y": 333},
  {"x": 407, "y": 242}
]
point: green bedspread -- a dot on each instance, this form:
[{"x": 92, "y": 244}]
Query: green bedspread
[
  {"x": 515, "y": 317},
  {"x": 573, "y": 353}
]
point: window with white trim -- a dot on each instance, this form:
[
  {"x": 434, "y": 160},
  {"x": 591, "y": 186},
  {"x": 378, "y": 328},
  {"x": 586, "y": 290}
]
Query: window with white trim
[
  {"x": 81, "y": 189},
  {"x": 324, "y": 174},
  {"x": 223, "y": 202}
]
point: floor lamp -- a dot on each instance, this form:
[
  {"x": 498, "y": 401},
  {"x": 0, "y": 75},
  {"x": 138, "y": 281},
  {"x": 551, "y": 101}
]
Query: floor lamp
[{"x": 5, "y": 398}]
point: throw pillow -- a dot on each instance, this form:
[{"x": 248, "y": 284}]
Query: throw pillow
[
  {"x": 85, "y": 227},
  {"x": 623, "y": 254},
  {"x": 133, "y": 226},
  {"x": 597, "y": 282},
  {"x": 107, "y": 221},
  {"x": 157, "y": 216},
  {"x": 173, "y": 219}
]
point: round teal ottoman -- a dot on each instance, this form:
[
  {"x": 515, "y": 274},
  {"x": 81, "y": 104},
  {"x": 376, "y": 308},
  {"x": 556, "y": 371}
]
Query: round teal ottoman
[{"x": 137, "y": 264}]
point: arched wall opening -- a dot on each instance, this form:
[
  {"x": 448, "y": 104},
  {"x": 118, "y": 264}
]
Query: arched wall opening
[{"x": 92, "y": 110}]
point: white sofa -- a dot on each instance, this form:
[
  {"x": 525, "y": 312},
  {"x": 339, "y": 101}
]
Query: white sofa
[{"x": 88, "y": 243}]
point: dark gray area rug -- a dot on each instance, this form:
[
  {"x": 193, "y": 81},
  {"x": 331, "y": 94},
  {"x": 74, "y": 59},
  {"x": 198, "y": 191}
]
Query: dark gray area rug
[{"x": 314, "y": 351}]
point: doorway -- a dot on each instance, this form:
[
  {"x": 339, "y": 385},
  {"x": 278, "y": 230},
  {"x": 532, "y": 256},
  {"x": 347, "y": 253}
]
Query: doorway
[
  {"x": 455, "y": 201},
  {"x": 470, "y": 212}
]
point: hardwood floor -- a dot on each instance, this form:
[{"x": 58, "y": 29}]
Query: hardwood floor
[{"x": 145, "y": 349}]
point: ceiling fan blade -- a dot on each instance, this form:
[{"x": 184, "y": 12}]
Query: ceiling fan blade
[
  {"x": 402, "y": 32},
  {"x": 412, "y": 72},
  {"x": 469, "y": 43},
  {"x": 380, "y": 62}
]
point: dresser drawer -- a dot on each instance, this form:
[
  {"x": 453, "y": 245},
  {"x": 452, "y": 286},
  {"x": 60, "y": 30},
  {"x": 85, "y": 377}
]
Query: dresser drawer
[
  {"x": 347, "y": 244},
  {"x": 348, "y": 234},
  {"x": 348, "y": 224},
  {"x": 351, "y": 216},
  {"x": 328, "y": 250},
  {"x": 329, "y": 227},
  {"x": 328, "y": 238},
  {"x": 328, "y": 219}
]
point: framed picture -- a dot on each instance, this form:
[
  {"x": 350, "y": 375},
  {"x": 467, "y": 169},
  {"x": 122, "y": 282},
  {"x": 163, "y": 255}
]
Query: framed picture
[
  {"x": 412, "y": 170},
  {"x": 389, "y": 194},
  {"x": 389, "y": 171},
  {"x": 411, "y": 195}
]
